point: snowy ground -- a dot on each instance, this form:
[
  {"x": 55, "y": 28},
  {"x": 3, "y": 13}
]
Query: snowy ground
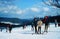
[{"x": 19, "y": 33}]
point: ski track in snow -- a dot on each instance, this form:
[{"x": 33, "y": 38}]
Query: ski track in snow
[{"x": 19, "y": 33}]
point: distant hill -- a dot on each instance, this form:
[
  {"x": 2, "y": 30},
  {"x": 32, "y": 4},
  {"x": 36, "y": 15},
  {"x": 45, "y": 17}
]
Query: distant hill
[
  {"x": 28, "y": 21},
  {"x": 16, "y": 20}
]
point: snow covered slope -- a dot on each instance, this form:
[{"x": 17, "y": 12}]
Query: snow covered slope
[{"x": 19, "y": 33}]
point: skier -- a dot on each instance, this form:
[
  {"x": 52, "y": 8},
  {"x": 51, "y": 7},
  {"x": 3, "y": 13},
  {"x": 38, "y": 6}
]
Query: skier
[
  {"x": 39, "y": 24},
  {"x": 35, "y": 24},
  {"x": 1, "y": 29},
  {"x": 46, "y": 24},
  {"x": 10, "y": 28},
  {"x": 55, "y": 23}
]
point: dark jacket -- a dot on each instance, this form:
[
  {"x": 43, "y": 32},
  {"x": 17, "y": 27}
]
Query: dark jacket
[
  {"x": 35, "y": 21},
  {"x": 47, "y": 22}
]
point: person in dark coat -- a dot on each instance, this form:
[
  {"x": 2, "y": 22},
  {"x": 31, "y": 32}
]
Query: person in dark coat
[
  {"x": 46, "y": 24},
  {"x": 35, "y": 24},
  {"x": 10, "y": 28},
  {"x": 1, "y": 29},
  {"x": 55, "y": 23}
]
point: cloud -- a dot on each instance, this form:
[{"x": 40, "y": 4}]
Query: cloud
[
  {"x": 31, "y": 9},
  {"x": 54, "y": 7},
  {"x": 38, "y": 9},
  {"x": 35, "y": 9},
  {"x": 45, "y": 8},
  {"x": 6, "y": 2},
  {"x": 5, "y": 11},
  {"x": 19, "y": 11},
  {"x": 11, "y": 9}
]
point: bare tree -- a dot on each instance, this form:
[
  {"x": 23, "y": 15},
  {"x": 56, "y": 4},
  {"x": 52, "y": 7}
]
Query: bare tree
[{"x": 55, "y": 3}]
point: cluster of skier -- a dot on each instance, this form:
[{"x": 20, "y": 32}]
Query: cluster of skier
[
  {"x": 8, "y": 28},
  {"x": 37, "y": 24}
]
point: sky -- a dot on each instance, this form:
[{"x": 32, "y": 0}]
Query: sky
[{"x": 26, "y": 9}]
